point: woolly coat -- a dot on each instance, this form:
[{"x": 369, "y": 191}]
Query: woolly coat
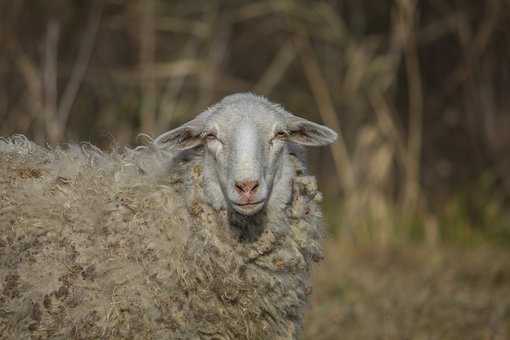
[{"x": 123, "y": 245}]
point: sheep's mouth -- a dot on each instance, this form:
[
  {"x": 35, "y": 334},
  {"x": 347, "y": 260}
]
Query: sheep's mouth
[
  {"x": 249, "y": 204},
  {"x": 249, "y": 208}
]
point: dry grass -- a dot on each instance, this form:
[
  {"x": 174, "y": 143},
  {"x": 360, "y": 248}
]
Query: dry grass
[{"x": 406, "y": 292}]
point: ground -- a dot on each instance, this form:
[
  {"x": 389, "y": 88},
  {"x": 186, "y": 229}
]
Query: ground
[{"x": 410, "y": 292}]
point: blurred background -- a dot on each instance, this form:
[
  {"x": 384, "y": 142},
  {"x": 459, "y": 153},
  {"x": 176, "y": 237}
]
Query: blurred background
[{"x": 417, "y": 188}]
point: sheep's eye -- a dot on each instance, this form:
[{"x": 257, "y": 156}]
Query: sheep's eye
[{"x": 280, "y": 135}]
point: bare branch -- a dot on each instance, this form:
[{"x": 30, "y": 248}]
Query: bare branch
[
  {"x": 147, "y": 39},
  {"x": 320, "y": 90},
  {"x": 81, "y": 65},
  {"x": 50, "y": 74}
]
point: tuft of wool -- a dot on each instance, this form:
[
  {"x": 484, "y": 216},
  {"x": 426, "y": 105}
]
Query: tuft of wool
[{"x": 122, "y": 245}]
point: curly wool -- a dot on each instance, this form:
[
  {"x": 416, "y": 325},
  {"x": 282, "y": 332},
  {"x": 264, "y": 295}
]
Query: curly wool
[{"x": 123, "y": 245}]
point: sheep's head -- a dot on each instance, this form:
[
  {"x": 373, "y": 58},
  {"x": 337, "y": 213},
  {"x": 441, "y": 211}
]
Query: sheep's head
[{"x": 245, "y": 139}]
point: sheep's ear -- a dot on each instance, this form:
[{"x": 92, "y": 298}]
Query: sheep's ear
[
  {"x": 305, "y": 132},
  {"x": 184, "y": 137}
]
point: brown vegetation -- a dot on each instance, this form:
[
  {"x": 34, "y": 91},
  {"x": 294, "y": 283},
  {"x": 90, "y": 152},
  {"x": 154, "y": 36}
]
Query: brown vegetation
[
  {"x": 417, "y": 91},
  {"x": 409, "y": 292}
]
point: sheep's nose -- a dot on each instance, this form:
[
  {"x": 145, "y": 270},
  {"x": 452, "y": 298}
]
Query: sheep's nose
[{"x": 246, "y": 187}]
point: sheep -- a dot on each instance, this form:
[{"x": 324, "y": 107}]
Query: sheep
[{"x": 208, "y": 231}]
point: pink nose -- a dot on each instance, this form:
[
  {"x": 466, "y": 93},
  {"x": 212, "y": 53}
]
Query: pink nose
[{"x": 247, "y": 187}]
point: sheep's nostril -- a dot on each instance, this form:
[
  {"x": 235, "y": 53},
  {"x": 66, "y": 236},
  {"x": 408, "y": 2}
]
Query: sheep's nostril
[
  {"x": 239, "y": 188},
  {"x": 247, "y": 187}
]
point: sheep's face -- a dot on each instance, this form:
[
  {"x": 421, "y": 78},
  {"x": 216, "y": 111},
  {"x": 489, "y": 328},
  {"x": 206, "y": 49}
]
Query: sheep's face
[
  {"x": 245, "y": 139},
  {"x": 245, "y": 147}
]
